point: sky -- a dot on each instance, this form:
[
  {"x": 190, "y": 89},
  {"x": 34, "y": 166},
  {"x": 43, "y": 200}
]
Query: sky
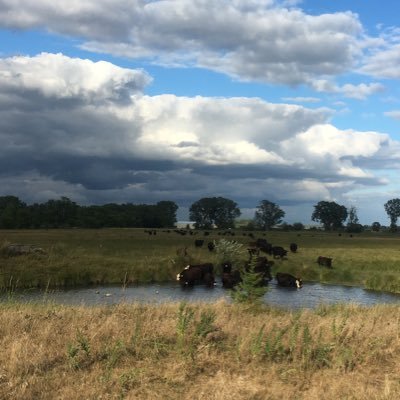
[{"x": 135, "y": 101}]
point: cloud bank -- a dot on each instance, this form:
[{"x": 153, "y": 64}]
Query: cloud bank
[
  {"x": 258, "y": 40},
  {"x": 86, "y": 130}
]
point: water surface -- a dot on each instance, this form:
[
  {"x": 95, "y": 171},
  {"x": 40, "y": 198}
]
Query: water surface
[{"x": 311, "y": 295}]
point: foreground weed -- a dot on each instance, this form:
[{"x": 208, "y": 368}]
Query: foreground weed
[
  {"x": 78, "y": 353},
  {"x": 130, "y": 379},
  {"x": 184, "y": 321},
  {"x": 306, "y": 346},
  {"x": 256, "y": 346},
  {"x": 192, "y": 331},
  {"x": 273, "y": 348},
  {"x": 115, "y": 353},
  {"x": 72, "y": 354},
  {"x": 293, "y": 335},
  {"x": 136, "y": 340},
  {"x": 206, "y": 323},
  {"x": 322, "y": 353}
]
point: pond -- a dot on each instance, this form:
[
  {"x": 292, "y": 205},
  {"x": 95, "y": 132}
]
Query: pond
[{"x": 310, "y": 295}]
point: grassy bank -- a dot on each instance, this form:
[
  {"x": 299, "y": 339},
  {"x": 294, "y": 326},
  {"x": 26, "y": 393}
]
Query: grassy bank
[
  {"x": 219, "y": 351},
  {"x": 124, "y": 256}
]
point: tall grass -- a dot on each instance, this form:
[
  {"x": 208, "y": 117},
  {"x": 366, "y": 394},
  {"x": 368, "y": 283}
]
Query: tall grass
[{"x": 198, "y": 351}]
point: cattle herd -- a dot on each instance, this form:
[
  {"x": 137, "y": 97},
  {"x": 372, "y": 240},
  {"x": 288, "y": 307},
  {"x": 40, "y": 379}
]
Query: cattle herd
[{"x": 204, "y": 274}]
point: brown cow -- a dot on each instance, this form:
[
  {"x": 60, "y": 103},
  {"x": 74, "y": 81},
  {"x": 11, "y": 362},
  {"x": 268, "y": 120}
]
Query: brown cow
[{"x": 325, "y": 261}]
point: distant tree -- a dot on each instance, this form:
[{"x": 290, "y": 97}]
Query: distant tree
[
  {"x": 376, "y": 226},
  {"x": 59, "y": 213},
  {"x": 298, "y": 226},
  {"x": 285, "y": 226},
  {"x": 166, "y": 212},
  {"x": 353, "y": 224},
  {"x": 214, "y": 210},
  {"x": 392, "y": 208},
  {"x": 330, "y": 214},
  {"x": 267, "y": 215},
  {"x": 13, "y": 213},
  {"x": 66, "y": 213},
  {"x": 352, "y": 216}
]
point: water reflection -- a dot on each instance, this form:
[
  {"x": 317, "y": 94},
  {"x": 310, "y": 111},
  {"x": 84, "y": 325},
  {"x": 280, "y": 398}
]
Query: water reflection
[{"x": 310, "y": 295}]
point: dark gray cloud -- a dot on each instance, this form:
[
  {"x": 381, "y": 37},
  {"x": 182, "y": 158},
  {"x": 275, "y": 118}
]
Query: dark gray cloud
[{"x": 62, "y": 139}]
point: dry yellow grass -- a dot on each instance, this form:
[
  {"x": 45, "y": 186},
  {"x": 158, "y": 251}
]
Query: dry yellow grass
[{"x": 198, "y": 351}]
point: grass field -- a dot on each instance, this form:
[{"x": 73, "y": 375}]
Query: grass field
[
  {"x": 195, "y": 351},
  {"x": 123, "y": 256},
  {"x": 179, "y": 352}
]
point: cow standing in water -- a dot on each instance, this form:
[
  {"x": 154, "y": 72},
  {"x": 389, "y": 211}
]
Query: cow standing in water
[
  {"x": 197, "y": 274},
  {"x": 230, "y": 278},
  {"x": 287, "y": 280}
]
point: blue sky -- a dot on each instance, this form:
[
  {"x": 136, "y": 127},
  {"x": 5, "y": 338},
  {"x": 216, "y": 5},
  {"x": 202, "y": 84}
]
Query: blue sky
[{"x": 140, "y": 101}]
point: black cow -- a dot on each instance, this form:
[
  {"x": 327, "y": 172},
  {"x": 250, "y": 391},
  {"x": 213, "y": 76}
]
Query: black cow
[
  {"x": 261, "y": 242},
  {"x": 293, "y": 247},
  {"x": 190, "y": 276},
  {"x": 287, "y": 280},
  {"x": 226, "y": 267},
  {"x": 198, "y": 242},
  {"x": 262, "y": 266},
  {"x": 211, "y": 246},
  {"x": 266, "y": 248},
  {"x": 325, "y": 261},
  {"x": 278, "y": 252},
  {"x": 230, "y": 279},
  {"x": 209, "y": 279},
  {"x": 197, "y": 274}
]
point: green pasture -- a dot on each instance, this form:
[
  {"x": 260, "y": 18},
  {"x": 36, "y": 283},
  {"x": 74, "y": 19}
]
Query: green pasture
[{"x": 126, "y": 256}]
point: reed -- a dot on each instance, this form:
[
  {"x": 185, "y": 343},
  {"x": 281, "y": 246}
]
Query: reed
[{"x": 201, "y": 351}]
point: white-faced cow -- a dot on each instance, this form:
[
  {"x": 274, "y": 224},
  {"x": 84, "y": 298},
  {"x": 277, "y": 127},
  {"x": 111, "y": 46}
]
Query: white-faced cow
[
  {"x": 287, "y": 280},
  {"x": 197, "y": 274}
]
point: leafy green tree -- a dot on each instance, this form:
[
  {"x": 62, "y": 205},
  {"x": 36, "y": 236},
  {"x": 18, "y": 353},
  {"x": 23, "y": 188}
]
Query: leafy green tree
[
  {"x": 228, "y": 251},
  {"x": 330, "y": 214},
  {"x": 166, "y": 212},
  {"x": 214, "y": 210},
  {"x": 59, "y": 213},
  {"x": 298, "y": 226},
  {"x": 353, "y": 224},
  {"x": 250, "y": 290},
  {"x": 392, "y": 208},
  {"x": 376, "y": 226},
  {"x": 267, "y": 215},
  {"x": 13, "y": 213}
]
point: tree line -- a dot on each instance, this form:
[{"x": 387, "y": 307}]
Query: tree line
[
  {"x": 64, "y": 213},
  {"x": 221, "y": 212},
  {"x": 207, "y": 213}
]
